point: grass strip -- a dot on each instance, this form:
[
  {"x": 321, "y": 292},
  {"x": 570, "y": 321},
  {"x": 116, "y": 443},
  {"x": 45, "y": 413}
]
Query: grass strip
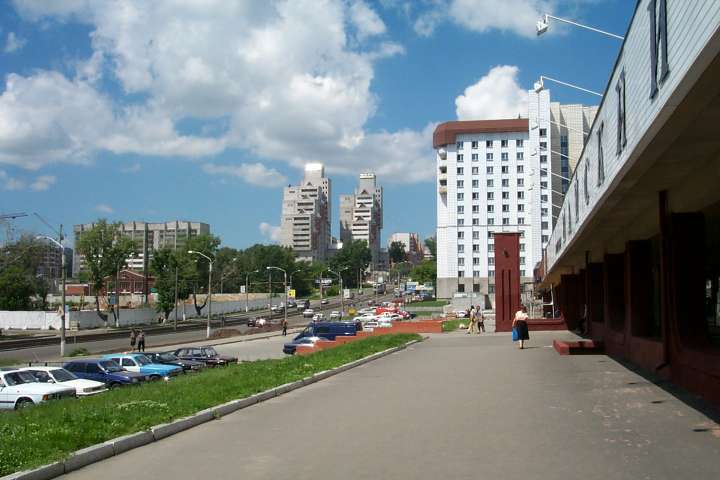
[
  {"x": 452, "y": 325},
  {"x": 51, "y": 431},
  {"x": 429, "y": 303}
]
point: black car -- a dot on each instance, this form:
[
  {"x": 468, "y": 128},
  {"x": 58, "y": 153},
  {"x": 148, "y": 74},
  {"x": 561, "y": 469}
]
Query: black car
[
  {"x": 206, "y": 354},
  {"x": 169, "y": 358}
]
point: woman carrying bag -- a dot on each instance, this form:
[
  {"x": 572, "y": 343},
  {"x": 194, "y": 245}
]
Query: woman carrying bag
[{"x": 520, "y": 327}]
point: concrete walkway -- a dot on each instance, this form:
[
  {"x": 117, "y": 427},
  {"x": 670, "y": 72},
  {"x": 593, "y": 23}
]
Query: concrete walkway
[{"x": 453, "y": 407}]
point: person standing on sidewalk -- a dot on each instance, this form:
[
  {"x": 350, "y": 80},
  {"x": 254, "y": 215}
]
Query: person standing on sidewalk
[
  {"x": 480, "y": 319},
  {"x": 133, "y": 337},
  {"x": 284, "y": 325},
  {"x": 141, "y": 341},
  {"x": 520, "y": 324},
  {"x": 471, "y": 327}
]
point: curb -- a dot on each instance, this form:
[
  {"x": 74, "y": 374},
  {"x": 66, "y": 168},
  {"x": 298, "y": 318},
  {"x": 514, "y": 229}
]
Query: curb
[{"x": 116, "y": 446}]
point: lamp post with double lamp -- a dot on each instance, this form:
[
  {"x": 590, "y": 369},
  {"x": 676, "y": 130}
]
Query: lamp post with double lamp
[
  {"x": 543, "y": 25},
  {"x": 340, "y": 280},
  {"x": 247, "y": 290},
  {"x": 285, "y": 284},
  {"x": 539, "y": 86},
  {"x": 210, "y": 260},
  {"x": 64, "y": 276}
]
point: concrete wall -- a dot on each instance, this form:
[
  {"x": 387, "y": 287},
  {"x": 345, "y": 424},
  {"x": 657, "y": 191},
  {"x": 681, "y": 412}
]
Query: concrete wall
[{"x": 29, "y": 320}]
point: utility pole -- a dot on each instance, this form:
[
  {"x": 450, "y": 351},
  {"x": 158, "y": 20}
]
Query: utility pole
[
  {"x": 321, "y": 289},
  {"x": 176, "y": 298}
]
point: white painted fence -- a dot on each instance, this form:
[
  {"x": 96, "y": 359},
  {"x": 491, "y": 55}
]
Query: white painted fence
[{"x": 29, "y": 320}]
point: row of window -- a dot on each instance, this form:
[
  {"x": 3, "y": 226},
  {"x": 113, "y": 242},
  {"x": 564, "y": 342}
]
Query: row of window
[
  {"x": 490, "y": 261},
  {"x": 504, "y": 156},
  {"x": 490, "y": 208},
  {"x": 491, "y": 196},
  {"x": 476, "y": 273},
  {"x": 489, "y": 143},
  {"x": 491, "y": 170},
  {"x": 505, "y": 182}
]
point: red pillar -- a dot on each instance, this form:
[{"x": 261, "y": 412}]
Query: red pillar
[
  {"x": 595, "y": 299},
  {"x": 507, "y": 279}
]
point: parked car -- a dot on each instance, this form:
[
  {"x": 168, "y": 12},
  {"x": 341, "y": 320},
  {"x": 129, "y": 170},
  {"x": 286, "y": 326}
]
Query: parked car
[
  {"x": 335, "y": 315},
  {"x": 370, "y": 326},
  {"x": 206, "y": 354},
  {"x": 257, "y": 322},
  {"x": 290, "y": 347},
  {"x": 460, "y": 313},
  {"x": 308, "y": 313},
  {"x": 60, "y": 376},
  {"x": 169, "y": 358},
  {"x": 324, "y": 301},
  {"x": 292, "y": 304},
  {"x": 277, "y": 308},
  {"x": 328, "y": 330},
  {"x": 365, "y": 317},
  {"x": 318, "y": 317},
  {"x": 19, "y": 389},
  {"x": 105, "y": 371},
  {"x": 137, "y": 362}
]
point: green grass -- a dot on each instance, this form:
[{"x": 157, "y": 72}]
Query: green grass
[
  {"x": 51, "y": 431},
  {"x": 428, "y": 314},
  {"x": 79, "y": 352},
  {"x": 9, "y": 362},
  {"x": 452, "y": 325},
  {"x": 429, "y": 303}
]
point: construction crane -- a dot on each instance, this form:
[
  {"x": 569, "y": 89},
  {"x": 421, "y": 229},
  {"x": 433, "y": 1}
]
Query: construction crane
[{"x": 7, "y": 219}]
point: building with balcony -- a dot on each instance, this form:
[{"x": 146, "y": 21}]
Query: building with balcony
[{"x": 361, "y": 215}]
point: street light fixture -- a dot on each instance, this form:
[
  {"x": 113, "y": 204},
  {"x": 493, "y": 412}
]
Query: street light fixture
[
  {"x": 285, "y": 279},
  {"x": 64, "y": 275},
  {"x": 342, "y": 296},
  {"x": 543, "y": 25},
  {"x": 247, "y": 290},
  {"x": 539, "y": 86},
  {"x": 193, "y": 252}
]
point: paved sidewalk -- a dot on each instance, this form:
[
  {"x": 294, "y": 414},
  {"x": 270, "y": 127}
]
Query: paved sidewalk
[{"x": 453, "y": 407}]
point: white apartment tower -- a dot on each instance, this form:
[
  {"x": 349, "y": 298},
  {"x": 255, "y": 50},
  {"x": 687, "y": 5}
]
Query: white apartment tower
[
  {"x": 361, "y": 215},
  {"x": 305, "y": 223}
]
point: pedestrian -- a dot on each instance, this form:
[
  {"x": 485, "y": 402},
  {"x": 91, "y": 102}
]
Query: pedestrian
[
  {"x": 520, "y": 325},
  {"x": 471, "y": 327},
  {"x": 480, "y": 319},
  {"x": 141, "y": 341},
  {"x": 284, "y": 325},
  {"x": 133, "y": 337}
]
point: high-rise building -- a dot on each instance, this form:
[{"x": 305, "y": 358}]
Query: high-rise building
[
  {"x": 361, "y": 215},
  {"x": 411, "y": 245},
  {"x": 148, "y": 236},
  {"x": 306, "y": 214}
]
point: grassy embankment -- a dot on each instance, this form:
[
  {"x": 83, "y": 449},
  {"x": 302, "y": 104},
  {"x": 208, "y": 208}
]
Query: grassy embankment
[
  {"x": 51, "y": 431},
  {"x": 452, "y": 325},
  {"x": 429, "y": 303}
]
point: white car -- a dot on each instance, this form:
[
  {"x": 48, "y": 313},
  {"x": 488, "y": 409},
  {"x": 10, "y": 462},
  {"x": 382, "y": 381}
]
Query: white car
[
  {"x": 370, "y": 310},
  {"x": 308, "y": 313},
  {"x": 318, "y": 317},
  {"x": 389, "y": 316},
  {"x": 19, "y": 389},
  {"x": 460, "y": 313},
  {"x": 60, "y": 376},
  {"x": 365, "y": 317},
  {"x": 335, "y": 315},
  {"x": 370, "y": 326}
]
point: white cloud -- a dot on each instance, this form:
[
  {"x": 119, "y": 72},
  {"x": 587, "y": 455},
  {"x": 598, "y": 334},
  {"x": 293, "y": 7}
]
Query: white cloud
[
  {"x": 496, "y": 95},
  {"x": 103, "y": 208},
  {"x": 42, "y": 183},
  {"x": 272, "y": 232},
  {"x": 13, "y": 43},
  {"x": 285, "y": 79},
  {"x": 252, "y": 173},
  {"x": 366, "y": 20}
]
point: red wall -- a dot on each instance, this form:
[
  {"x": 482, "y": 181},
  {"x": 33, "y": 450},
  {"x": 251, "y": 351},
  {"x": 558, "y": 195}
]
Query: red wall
[{"x": 507, "y": 279}]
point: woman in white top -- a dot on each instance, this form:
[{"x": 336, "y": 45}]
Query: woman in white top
[{"x": 520, "y": 324}]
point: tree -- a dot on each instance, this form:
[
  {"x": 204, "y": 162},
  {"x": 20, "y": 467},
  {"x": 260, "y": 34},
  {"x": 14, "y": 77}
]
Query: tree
[
  {"x": 19, "y": 262},
  {"x": 352, "y": 258},
  {"x": 431, "y": 244},
  {"x": 163, "y": 266},
  {"x": 106, "y": 250},
  {"x": 425, "y": 272},
  {"x": 16, "y": 288},
  {"x": 195, "y": 268},
  {"x": 397, "y": 253}
]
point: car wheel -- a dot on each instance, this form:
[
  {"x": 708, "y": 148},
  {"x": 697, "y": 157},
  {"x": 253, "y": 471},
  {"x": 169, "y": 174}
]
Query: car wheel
[
  {"x": 23, "y": 403},
  {"x": 154, "y": 378},
  {"x": 114, "y": 386}
]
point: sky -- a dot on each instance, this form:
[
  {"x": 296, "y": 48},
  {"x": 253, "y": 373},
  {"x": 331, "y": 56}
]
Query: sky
[{"x": 203, "y": 110}]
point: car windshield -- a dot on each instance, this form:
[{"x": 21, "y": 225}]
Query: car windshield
[
  {"x": 17, "y": 378},
  {"x": 142, "y": 360},
  {"x": 111, "y": 366},
  {"x": 62, "y": 375},
  {"x": 210, "y": 352},
  {"x": 168, "y": 357}
]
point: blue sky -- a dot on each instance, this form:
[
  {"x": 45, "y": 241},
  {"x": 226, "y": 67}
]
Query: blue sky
[{"x": 151, "y": 111}]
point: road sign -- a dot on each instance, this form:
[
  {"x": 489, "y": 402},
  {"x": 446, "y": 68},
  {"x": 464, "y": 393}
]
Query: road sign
[
  {"x": 242, "y": 288},
  {"x": 291, "y": 293}
]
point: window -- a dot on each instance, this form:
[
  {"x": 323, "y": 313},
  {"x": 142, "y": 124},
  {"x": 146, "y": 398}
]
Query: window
[
  {"x": 521, "y": 207},
  {"x": 520, "y": 169},
  {"x": 488, "y": 143},
  {"x": 461, "y": 261},
  {"x": 491, "y": 247},
  {"x": 476, "y": 287},
  {"x": 491, "y": 273},
  {"x": 461, "y": 248},
  {"x": 491, "y": 221},
  {"x": 461, "y": 222},
  {"x": 126, "y": 362},
  {"x": 543, "y": 145},
  {"x": 459, "y": 145},
  {"x": 461, "y": 287},
  {"x": 461, "y": 196},
  {"x": 476, "y": 196},
  {"x": 522, "y": 234},
  {"x": 504, "y": 156},
  {"x": 489, "y": 170},
  {"x": 491, "y": 288},
  {"x": 503, "y": 143},
  {"x": 474, "y": 144},
  {"x": 476, "y": 221},
  {"x": 460, "y": 158},
  {"x": 544, "y": 197},
  {"x": 520, "y": 182},
  {"x": 506, "y": 221},
  {"x": 476, "y": 235},
  {"x": 520, "y": 156},
  {"x": 506, "y": 208},
  {"x": 521, "y": 221},
  {"x": 460, "y": 171},
  {"x": 476, "y": 183},
  {"x": 474, "y": 157},
  {"x": 505, "y": 195},
  {"x": 490, "y": 196},
  {"x": 489, "y": 156},
  {"x": 491, "y": 260},
  {"x": 505, "y": 182},
  {"x": 544, "y": 239},
  {"x": 476, "y": 208},
  {"x": 490, "y": 183},
  {"x": 543, "y": 158},
  {"x": 544, "y": 225},
  {"x": 460, "y": 184},
  {"x": 476, "y": 261},
  {"x": 476, "y": 247},
  {"x": 443, "y": 169},
  {"x": 519, "y": 142},
  {"x": 504, "y": 169},
  {"x": 521, "y": 195},
  {"x": 522, "y": 260},
  {"x": 544, "y": 212},
  {"x": 543, "y": 172},
  {"x": 460, "y": 209},
  {"x": 543, "y": 185},
  {"x": 491, "y": 208},
  {"x": 461, "y": 235},
  {"x": 543, "y": 132},
  {"x": 522, "y": 247}
]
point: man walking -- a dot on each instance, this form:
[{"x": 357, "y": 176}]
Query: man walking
[
  {"x": 471, "y": 327},
  {"x": 480, "y": 320},
  {"x": 284, "y": 325},
  {"x": 141, "y": 341},
  {"x": 133, "y": 337}
]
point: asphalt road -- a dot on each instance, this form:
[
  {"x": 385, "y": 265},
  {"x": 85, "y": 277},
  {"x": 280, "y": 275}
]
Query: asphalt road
[
  {"x": 50, "y": 352},
  {"x": 455, "y": 407}
]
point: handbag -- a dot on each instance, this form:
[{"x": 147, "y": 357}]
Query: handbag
[{"x": 515, "y": 336}]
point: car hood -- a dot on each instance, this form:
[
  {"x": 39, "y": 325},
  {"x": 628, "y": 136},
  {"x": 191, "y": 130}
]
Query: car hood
[
  {"x": 41, "y": 388},
  {"x": 158, "y": 368},
  {"x": 81, "y": 384}
]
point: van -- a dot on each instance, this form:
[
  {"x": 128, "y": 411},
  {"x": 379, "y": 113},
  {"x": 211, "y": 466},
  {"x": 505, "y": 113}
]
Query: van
[{"x": 328, "y": 330}]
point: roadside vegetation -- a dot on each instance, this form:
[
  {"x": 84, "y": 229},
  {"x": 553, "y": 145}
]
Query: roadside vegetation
[
  {"x": 452, "y": 325},
  {"x": 428, "y": 303},
  {"x": 48, "y": 432}
]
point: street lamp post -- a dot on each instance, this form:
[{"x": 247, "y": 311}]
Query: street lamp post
[
  {"x": 210, "y": 260},
  {"x": 247, "y": 290},
  {"x": 340, "y": 280},
  {"x": 544, "y": 23},
  {"x": 285, "y": 280},
  {"x": 539, "y": 86},
  {"x": 64, "y": 277}
]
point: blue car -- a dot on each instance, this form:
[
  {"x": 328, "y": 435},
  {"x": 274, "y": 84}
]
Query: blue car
[
  {"x": 103, "y": 370},
  {"x": 137, "y": 362}
]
